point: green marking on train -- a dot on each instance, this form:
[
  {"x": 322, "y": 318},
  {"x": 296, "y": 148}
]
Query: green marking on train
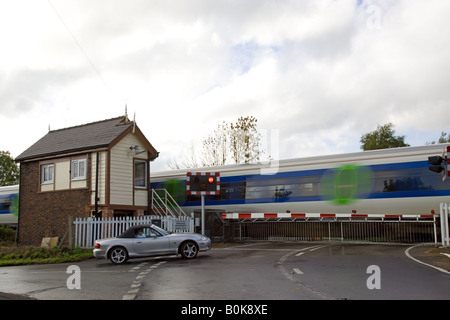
[{"x": 345, "y": 184}]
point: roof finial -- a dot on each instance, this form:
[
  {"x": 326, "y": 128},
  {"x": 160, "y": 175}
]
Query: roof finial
[
  {"x": 134, "y": 122},
  {"x": 126, "y": 111}
]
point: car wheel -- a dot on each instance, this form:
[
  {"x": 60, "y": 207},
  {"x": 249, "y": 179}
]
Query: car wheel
[
  {"x": 118, "y": 255},
  {"x": 188, "y": 250}
]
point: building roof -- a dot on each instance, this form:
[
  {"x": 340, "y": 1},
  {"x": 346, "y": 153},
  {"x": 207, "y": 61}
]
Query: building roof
[{"x": 88, "y": 136}]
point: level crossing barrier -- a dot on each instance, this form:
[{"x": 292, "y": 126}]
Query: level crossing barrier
[{"x": 381, "y": 228}]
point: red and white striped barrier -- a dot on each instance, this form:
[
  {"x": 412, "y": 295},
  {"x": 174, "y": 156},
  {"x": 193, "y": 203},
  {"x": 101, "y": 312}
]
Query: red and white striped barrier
[{"x": 322, "y": 215}]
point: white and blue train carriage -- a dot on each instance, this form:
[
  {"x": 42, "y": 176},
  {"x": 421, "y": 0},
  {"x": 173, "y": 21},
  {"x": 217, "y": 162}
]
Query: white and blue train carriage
[
  {"x": 392, "y": 182},
  {"x": 9, "y": 205}
]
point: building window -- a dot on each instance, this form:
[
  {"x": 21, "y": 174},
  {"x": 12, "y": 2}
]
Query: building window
[
  {"x": 78, "y": 169},
  {"x": 47, "y": 173},
  {"x": 140, "y": 174}
]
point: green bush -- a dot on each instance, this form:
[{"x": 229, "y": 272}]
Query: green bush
[{"x": 7, "y": 234}]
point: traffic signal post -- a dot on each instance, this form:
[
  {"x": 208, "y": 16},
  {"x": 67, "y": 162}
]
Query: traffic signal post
[
  {"x": 440, "y": 164},
  {"x": 203, "y": 183}
]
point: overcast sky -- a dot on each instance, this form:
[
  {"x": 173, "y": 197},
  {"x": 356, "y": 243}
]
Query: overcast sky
[{"x": 320, "y": 73}]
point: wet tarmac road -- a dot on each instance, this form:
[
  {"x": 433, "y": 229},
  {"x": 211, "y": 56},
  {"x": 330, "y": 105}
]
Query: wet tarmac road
[{"x": 252, "y": 271}]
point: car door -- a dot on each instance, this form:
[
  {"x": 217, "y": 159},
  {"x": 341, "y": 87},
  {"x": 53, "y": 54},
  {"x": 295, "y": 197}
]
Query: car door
[{"x": 150, "y": 242}]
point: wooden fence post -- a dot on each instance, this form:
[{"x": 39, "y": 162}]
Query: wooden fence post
[{"x": 70, "y": 231}]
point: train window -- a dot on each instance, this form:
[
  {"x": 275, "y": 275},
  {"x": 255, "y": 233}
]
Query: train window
[
  {"x": 309, "y": 186},
  {"x": 5, "y": 203},
  {"x": 283, "y": 188},
  {"x": 232, "y": 190},
  {"x": 416, "y": 179}
]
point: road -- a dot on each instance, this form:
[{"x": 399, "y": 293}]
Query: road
[{"x": 252, "y": 271}]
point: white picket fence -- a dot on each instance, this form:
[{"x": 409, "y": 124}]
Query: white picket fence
[{"x": 87, "y": 230}]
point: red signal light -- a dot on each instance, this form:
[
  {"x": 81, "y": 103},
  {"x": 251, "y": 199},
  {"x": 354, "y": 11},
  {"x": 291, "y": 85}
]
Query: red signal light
[{"x": 210, "y": 179}]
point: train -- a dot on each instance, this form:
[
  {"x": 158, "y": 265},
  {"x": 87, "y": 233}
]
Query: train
[
  {"x": 9, "y": 205},
  {"x": 389, "y": 182}
]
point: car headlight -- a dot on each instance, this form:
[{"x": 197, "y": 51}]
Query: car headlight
[{"x": 204, "y": 238}]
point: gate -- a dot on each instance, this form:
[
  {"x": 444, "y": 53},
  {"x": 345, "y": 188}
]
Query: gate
[
  {"x": 334, "y": 227},
  {"x": 335, "y": 230},
  {"x": 87, "y": 230}
]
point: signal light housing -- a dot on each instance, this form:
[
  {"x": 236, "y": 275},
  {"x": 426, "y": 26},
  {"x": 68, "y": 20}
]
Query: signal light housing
[
  {"x": 440, "y": 164},
  {"x": 203, "y": 183}
]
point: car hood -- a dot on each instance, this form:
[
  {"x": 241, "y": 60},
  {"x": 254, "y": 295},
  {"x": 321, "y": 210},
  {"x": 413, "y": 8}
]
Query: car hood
[{"x": 185, "y": 235}]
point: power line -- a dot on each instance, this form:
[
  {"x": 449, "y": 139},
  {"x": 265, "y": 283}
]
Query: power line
[{"x": 84, "y": 52}]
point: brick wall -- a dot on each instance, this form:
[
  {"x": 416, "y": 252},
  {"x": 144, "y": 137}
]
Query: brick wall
[{"x": 45, "y": 214}]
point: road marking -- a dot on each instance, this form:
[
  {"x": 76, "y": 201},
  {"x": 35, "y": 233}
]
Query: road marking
[
  {"x": 311, "y": 249},
  {"x": 446, "y": 254},
  {"x": 135, "y": 286},
  {"x": 318, "y": 247},
  {"x": 290, "y": 275},
  {"x": 297, "y": 271},
  {"x": 425, "y": 264},
  {"x": 138, "y": 267}
]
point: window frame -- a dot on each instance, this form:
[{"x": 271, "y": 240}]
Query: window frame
[
  {"x": 136, "y": 178},
  {"x": 49, "y": 173},
  {"x": 75, "y": 165}
]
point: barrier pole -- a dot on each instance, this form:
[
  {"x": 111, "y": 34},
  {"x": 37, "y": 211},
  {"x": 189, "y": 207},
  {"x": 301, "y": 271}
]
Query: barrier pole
[
  {"x": 203, "y": 214},
  {"x": 446, "y": 235},
  {"x": 444, "y": 224}
]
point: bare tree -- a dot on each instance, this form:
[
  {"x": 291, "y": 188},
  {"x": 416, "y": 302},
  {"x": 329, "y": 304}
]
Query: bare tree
[
  {"x": 228, "y": 144},
  {"x": 216, "y": 146},
  {"x": 245, "y": 140},
  {"x": 186, "y": 159}
]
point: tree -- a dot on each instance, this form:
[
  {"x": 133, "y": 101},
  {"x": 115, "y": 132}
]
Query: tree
[
  {"x": 185, "y": 160},
  {"x": 443, "y": 139},
  {"x": 216, "y": 146},
  {"x": 382, "y": 138},
  {"x": 228, "y": 144},
  {"x": 9, "y": 171},
  {"x": 244, "y": 140}
]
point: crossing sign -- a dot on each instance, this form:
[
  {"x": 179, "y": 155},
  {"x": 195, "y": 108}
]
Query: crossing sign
[{"x": 203, "y": 183}]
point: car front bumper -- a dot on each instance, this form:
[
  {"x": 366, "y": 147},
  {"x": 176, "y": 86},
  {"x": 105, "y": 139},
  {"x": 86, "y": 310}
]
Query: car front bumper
[{"x": 204, "y": 245}]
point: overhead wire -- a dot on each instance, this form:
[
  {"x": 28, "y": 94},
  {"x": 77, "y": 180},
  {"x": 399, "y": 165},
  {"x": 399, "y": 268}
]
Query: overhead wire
[{"x": 83, "y": 51}]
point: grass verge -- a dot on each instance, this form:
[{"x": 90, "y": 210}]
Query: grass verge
[{"x": 14, "y": 255}]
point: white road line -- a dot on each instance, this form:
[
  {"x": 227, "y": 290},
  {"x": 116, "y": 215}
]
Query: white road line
[
  {"x": 135, "y": 286},
  {"x": 136, "y": 268},
  {"x": 426, "y": 264},
  {"x": 446, "y": 254},
  {"x": 318, "y": 247},
  {"x": 313, "y": 248},
  {"x": 297, "y": 271}
]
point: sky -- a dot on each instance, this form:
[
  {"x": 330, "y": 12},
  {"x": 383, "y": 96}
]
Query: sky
[{"x": 316, "y": 74}]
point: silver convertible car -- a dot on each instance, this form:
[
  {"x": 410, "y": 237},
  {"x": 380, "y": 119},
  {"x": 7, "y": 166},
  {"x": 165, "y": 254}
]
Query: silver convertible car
[{"x": 150, "y": 240}]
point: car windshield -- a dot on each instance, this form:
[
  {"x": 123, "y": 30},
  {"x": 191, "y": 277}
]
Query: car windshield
[{"x": 160, "y": 230}]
